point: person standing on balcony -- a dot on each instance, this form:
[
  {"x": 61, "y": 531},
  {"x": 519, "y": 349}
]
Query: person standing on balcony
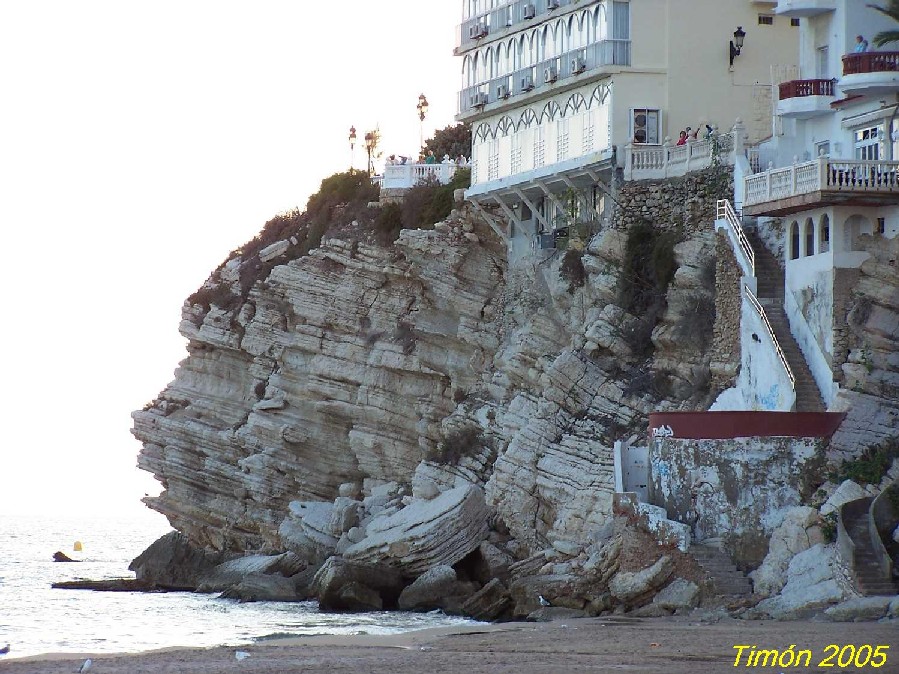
[
  {"x": 430, "y": 159},
  {"x": 683, "y": 138},
  {"x": 861, "y": 44}
]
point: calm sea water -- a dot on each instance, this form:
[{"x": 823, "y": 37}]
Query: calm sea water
[{"x": 36, "y": 619}]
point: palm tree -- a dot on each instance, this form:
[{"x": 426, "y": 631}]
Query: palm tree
[{"x": 887, "y": 36}]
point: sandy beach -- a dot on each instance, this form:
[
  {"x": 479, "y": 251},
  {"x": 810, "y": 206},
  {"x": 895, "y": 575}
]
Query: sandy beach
[{"x": 678, "y": 645}]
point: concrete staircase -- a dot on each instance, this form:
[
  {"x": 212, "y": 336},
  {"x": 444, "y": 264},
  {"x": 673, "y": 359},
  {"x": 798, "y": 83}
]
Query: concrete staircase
[
  {"x": 727, "y": 578},
  {"x": 770, "y": 280},
  {"x": 869, "y": 579}
]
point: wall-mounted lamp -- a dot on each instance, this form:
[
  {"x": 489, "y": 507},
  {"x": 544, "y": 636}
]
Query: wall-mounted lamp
[{"x": 737, "y": 43}]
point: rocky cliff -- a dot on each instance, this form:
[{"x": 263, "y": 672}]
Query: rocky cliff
[{"x": 432, "y": 367}]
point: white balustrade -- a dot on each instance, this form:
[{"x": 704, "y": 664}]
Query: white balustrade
[
  {"x": 821, "y": 174},
  {"x": 643, "y": 162},
  {"x": 726, "y": 213},
  {"x": 404, "y": 176}
]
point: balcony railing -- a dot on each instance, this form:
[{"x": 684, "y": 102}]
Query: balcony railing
[
  {"x": 404, "y": 176},
  {"x": 504, "y": 16},
  {"x": 821, "y": 175},
  {"x": 801, "y": 88},
  {"x": 871, "y": 62},
  {"x": 643, "y": 162},
  {"x": 569, "y": 64}
]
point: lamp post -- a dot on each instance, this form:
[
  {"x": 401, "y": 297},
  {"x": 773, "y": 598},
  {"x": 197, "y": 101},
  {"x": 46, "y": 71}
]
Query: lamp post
[
  {"x": 422, "y": 108},
  {"x": 352, "y": 146},
  {"x": 736, "y": 44},
  {"x": 369, "y": 146}
]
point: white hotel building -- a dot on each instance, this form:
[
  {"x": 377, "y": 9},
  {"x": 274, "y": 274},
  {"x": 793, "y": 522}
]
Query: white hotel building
[
  {"x": 558, "y": 92},
  {"x": 834, "y": 172}
]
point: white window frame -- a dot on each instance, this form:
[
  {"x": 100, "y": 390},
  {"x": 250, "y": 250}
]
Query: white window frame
[
  {"x": 633, "y": 125},
  {"x": 868, "y": 142}
]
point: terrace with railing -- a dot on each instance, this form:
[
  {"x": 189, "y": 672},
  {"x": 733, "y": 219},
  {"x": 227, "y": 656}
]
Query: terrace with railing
[
  {"x": 546, "y": 73},
  {"x": 822, "y": 180},
  {"x": 644, "y": 162},
  {"x": 404, "y": 176},
  {"x": 801, "y": 88},
  {"x": 871, "y": 72}
]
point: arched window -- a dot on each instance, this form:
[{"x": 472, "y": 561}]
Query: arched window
[
  {"x": 824, "y": 234},
  {"x": 794, "y": 241},
  {"x": 513, "y": 55},
  {"x": 809, "y": 237},
  {"x": 502, "y": 61},
  {"x": 489, "y": 64},
  {"x": 467, "y": 71}
]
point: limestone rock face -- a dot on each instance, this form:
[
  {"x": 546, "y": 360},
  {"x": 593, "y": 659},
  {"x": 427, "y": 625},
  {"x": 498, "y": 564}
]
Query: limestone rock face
[{"x": 489, "y": 393}]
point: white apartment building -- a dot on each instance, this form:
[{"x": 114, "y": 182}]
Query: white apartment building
[
  {"x": 834, "y": 172},
  {"x": 559, "y": 91}
]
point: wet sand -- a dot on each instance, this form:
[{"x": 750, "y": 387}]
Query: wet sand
[{"x": 678, "y": 645}]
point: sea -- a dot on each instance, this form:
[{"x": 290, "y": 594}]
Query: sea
[{"x": 36, "y": 619}]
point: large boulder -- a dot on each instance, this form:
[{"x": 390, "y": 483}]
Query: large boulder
[
  {"x": 438, "y": 588},
  {"x": 337, "y": 573},
  {"x": 425, "y": 534},
  {"x": 799, "y": 531},
  {"x": 233, "y": 572},
  {"x": 563, "y": 590},
  {"x": 679, "y": 594},
  {"x": 492, "y": 563},
  {"x": 546, "y": 614},
  {"x": 258, "y": 587},
  {"x": 488, "y": 603},
  {"x": 172, "y": 562},
  {"x": 846, "y": 492},
  {"x": 308, "y": 530},
  {"x": 812, "y": 585},
  {"x": 634, "y": 588},
  {"x": 859, "y": 609}
]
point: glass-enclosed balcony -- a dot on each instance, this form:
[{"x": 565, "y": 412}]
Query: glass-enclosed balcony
[
  {"x": 870, "y": 73},
  {"x": 510, "y": 14},
  {"x": 546, "y": 73}
]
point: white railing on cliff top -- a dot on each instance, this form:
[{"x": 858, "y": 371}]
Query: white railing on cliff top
[
  {"x": 404, "y": 176},
  {"x": 821, "y": 174},
  {"x": 753, "y": 300},
  {"x": 642, "y": 162},
  {"x": 727, "y": 214}
]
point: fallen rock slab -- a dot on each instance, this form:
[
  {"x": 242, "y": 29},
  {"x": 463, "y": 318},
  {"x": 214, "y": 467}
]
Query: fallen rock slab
[
  {"x": 263, "y": 588},
  {"x": 546, "y": 614},
  {"x": 172, "y": 562},
  {"x": 629, "y": 587},
  {"x": 678, "y": 594},
  {"x": 489, "y": 603},
  {"x": 860, "y": 609},
  {"x": 425, "y": 534},
  {"x": 336, "y": 574}
]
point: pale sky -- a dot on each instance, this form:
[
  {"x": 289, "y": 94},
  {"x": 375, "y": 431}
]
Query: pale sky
[{"x": 140, "y": 142}]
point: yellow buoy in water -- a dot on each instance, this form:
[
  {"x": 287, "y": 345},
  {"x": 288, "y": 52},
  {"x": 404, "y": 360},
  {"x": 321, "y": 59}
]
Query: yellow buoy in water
[{"x": 77, "y": 546}]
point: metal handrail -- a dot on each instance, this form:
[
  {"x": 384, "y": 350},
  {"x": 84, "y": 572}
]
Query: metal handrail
[
  {"x": 753, "y": 300},
  {"x": 726, "y": 212}
]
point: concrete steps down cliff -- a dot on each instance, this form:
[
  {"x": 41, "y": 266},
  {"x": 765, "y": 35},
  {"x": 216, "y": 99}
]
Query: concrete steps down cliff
[
  {"x": 770, "y": 279},
  {"x": 727, "y": 579},
  {"x": 869, "y": 578}
]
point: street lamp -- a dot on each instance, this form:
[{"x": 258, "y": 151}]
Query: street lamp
[
  {"x": 352, "y": 146},
  {"x": 422, "y": 108},
  {"x": 369, "y": 146},
  {"x": 736, "y": 44}
]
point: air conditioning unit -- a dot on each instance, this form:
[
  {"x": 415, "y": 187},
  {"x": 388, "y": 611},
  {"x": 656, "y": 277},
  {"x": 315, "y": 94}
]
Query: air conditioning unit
[
  {"x": 502, "y": 91},
  {"x": 478, "y": 100},
  {"x": 477, "y": 31},
  {"x": 551, "y": 5},
  {"x": 550, "y": 75},
  {"x": 546, "y": 241},
  {"x": 529, "y": 12},
  {"x": 578, "y": 65},
  {"x": 527, "y": 83}
]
